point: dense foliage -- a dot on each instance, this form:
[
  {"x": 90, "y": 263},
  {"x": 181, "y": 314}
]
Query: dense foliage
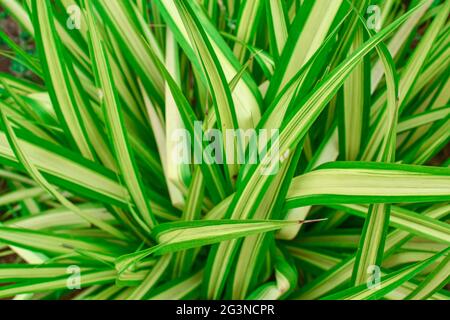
[{"x": 349, "y": 198}]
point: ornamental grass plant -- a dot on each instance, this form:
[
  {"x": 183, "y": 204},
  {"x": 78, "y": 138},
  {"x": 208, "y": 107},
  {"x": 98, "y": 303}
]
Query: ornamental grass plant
[{"x": 225, "y": 149}]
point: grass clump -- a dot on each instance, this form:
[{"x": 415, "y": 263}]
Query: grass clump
[{"x": 345, "y": 194}]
